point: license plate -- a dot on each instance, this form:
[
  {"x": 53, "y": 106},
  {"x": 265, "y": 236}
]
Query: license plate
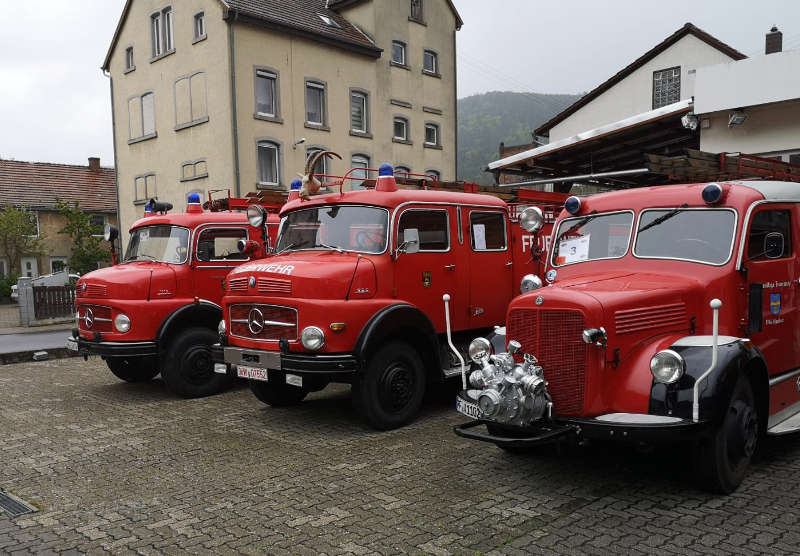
[
  {"x": 468, "y": 408},
  {"x": 294, "y": 380},
  {"x": 72, "y": 344},
  {"x": 253, "y": 373}
]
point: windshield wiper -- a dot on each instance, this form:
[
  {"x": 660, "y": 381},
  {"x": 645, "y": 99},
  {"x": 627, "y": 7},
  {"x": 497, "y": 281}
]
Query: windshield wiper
[
  {"x": 331, "y": 247},
  {"x": 285, "y": 249},
  {"x": 578, "y": 224},
  {"x": 135, "y": 257},
  {"x": 663, "y": 217}
]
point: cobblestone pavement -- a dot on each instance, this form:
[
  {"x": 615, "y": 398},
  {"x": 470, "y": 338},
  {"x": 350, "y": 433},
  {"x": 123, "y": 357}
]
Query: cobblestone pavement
[{"x": 119, "y": 468}]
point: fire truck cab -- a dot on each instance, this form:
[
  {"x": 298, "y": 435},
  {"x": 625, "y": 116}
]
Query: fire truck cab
[
  {"x": 353, "y": 292},
  {"x": 669, "y": 314},
  {"x": 157, "y": 310}
]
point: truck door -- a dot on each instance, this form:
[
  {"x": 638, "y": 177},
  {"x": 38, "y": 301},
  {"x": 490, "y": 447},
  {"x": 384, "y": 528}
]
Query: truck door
[
  {"x": 490, "y": 267},
  {"x": 439, "y": 267},
  {"x": 215, "y": 254}
]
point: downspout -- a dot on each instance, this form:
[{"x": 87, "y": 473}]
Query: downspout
[
  {"x": 234, "y": 111},
  {"x": 455, "y": 98},
  {"x": 116, "y": 166}
]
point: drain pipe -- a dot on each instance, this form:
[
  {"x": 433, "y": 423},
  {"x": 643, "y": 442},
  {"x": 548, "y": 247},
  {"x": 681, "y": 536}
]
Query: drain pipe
[
  {"x": 446, "y": 299},
  {"x": 715, "y": 306},
  {"x": 234, "y": 103}
]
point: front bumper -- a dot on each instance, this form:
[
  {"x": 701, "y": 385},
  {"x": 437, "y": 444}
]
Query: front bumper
[
  {"x": 629, "y": 427},
  {"x": 287, "y": 362},
  {"x": 112, "y": 349}
]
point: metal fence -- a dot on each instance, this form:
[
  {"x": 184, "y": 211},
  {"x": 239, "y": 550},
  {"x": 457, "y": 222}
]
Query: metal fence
[{"x": 51, "y": 302}]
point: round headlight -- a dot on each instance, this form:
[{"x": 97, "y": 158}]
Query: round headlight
[
  {"x": 667, "y": 366},
  {"x": 255, "y": 215},
  {"x": 110, "y": 233},
  {"x": 531, "y": 219},
  {"x": 479, "y": 350},
  {"x": 122, "y": 323},
  {"x": 221, "y": 327},
  {"x": 529, "y": 283},
  {"x": 313, "y": 338}
]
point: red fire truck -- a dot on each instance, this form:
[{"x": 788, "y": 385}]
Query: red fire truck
[
  {"x": 352, "y": 292},
  {"x": 157, "y": 310},
  {"x": 669, "y": 314}
]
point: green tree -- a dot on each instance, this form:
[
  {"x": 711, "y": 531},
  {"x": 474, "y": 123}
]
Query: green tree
[
  {"x": 87, "y": 249},
  {"x": 18, "y": 235}
]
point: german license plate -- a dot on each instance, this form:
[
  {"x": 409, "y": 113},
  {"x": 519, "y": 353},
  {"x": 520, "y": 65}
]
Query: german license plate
[
  {"x": 72, "y": 344},
  {"x": 253, "y": 373},
  {"x": 468, "y": 408},
  {"x": 294, "y": 380}
]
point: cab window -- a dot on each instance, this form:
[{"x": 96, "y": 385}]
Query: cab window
[
  {"x": 432, "y": 226},
  {"x": 770, "y": 235},
  {"x": 220, "y": 244},
  {"x": 487, "y": 231}
]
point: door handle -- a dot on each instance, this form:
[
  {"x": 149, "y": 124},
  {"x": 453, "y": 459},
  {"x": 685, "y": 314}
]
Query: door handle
[
  {"x": 509, "y": 263},
  {"x": 449, "y": 267}
]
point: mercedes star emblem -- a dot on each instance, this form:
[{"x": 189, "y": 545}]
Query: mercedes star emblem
[
  {"x": 88, "y": 318},
  {"x": 539, "y": 300},
  {"x": 255, "y": 321},
  {"x": 252, "y": 282},
  {"x": 84, "y": 286}
]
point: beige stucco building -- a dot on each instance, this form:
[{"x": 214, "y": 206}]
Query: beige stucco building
[{"x": 234, "y": 94}]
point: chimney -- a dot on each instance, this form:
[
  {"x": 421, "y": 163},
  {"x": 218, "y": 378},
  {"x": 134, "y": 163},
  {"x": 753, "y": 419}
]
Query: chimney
[
  {"x": 94, "y": 163},
  {"x": 774, "y": 41}
]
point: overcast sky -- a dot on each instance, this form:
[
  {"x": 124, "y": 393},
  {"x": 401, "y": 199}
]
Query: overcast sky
[{"x": 54, "y": 100}]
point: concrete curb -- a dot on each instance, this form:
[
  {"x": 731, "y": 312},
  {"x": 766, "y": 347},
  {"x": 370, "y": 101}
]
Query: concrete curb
[{"x": 27, "y": 356}]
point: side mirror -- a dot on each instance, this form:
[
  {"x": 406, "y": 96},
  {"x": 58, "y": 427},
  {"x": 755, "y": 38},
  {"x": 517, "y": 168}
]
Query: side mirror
[
  {"x": 774, "y": 244},
  {"x": 410, "y": 243},
  {"x": 531, "y": 220}
]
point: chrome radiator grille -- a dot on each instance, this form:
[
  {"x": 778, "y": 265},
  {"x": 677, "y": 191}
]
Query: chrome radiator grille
[
  {"x": 554, "y": 337},
  {"x": 255, "y": 321},
  {"x": 94, "y": 318}
]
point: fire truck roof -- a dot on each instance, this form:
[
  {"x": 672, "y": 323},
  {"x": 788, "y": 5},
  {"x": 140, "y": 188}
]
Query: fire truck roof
[
  {"x": 394, "y": 199},
  {"x": 192, "y": 220}
]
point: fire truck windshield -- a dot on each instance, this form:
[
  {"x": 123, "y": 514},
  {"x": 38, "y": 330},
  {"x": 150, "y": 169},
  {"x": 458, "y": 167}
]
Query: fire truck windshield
[
  {"x": 339, "y": 228},
  {"x": 167, "y": 244},
  {"x": 592, "y": 237},
  {"x": 698, "y": 235}
]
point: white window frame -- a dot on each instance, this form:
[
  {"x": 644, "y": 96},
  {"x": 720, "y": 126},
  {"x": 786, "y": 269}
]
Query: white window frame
[
  {"x": 359, "y": 160},
  {"x": 405, "y": 170},
  {"x": 316, "y": 85},
  {"x": 60, "y": 259},
  {"x": 660, "y": 75},
  {"x": 162, "y": 37},
  {"x": 435, "y": 57},
  {"x": 199, "y": 25},
  {"x": 433, "y": 172},
  {"x": 271, "y": 78},
  {"x": 364, "y": 98},
  {"x": 130, "y": 65},
  {"x": 435, "y": 129},
  {"x": 404, "y": 121},
  {"x": 404, "y": 56},
  {"x": 137, "y": 200},
  {"x": 268, "y": 144}
]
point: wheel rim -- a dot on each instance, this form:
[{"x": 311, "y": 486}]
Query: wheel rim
[
  {"x": 396, "y": 387},
  {"x": 741, "y": 432},
  {"x": 198, "y": 367}
]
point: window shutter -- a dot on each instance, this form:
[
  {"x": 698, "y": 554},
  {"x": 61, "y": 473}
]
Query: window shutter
[
  {"x": 198, "y": 92},
  {"x": 135, "y": 117},
  {"x": 183, "y": 107},
  {"x": 148, "y": 114}
]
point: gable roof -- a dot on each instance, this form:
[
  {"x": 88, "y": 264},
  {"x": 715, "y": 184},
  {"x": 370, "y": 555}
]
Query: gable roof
[
  {"x": 37, "y": 185},
  {"x": 297, "y": 17},
  {"x": 687, "y": 29},
  {"x": 341, "y": 4}
]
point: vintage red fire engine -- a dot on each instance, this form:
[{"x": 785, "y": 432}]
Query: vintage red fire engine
[
  {"x": 353, "y": 294},
  {"x": 158, "y": 309},
  {"x": 670, "y": 313}
]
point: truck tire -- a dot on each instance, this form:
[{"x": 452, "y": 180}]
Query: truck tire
[
  {"x": 725, "y": 455},
  {"x": 188, "y": 367},
  {"x": 277, "y": 394},
  {"x": 133, "y": 369},
  {"x": 390, "y": 393}
]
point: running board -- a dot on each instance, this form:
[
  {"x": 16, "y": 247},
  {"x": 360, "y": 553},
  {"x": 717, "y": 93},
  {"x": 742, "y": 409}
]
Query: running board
[{"x": 792, "y": 424}]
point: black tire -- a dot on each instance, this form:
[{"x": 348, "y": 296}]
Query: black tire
[
  {"x": 189, "y": 368},
  {"x": 390, "y": 393},
  {"x": 277, "y": 393},
  {"x": 133, "y": 369},
  {"x": 724, "y": 456}
]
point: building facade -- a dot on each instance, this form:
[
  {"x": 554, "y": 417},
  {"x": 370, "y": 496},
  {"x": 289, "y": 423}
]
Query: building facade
[
  {"x": 37, "y": 186},
  {"x": 235, "y": 94}
]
